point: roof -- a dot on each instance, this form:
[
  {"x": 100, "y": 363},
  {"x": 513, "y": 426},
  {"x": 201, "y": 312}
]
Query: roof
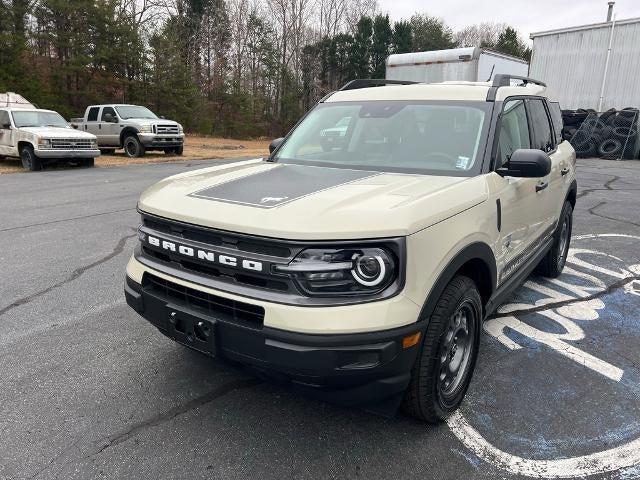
[
  {"x": 445, "y": 56},
  {"x": 462, "y": 91},
  {"x": 589, "y": 26}
]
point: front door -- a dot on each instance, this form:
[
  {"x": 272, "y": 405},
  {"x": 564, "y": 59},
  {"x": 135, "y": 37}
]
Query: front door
[
  {"x": 110, "y": 128},
  {"x": 520, "y": 201},
  {"x": 6, "y": 134}
]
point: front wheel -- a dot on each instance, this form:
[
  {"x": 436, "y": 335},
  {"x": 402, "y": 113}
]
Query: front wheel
[
  {"x": 445, "y": 364},
  {"x": 553, "y": 262},
  {"x": 133, "y": 147},
  {"x": 29, "y": 159},
  {"x": 87, "y": 162}
]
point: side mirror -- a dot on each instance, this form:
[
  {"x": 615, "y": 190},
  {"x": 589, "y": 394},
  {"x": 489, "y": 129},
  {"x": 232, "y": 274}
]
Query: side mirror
[
  {"x": 163, "y": 117},
  {"x": 109, "y": 118},
  {"x": 526, "y": 163},
  {"x": 5, "y": 126},
  {"x": 275, "y": 144}
]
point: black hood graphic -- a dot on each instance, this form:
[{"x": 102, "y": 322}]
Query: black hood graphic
[{"x": 282, "y": 184}]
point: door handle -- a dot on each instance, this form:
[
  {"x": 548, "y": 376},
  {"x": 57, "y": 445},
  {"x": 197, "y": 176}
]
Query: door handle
[
  {"x": 541, "y": 186},
  {"x": 564, "y": 171}
]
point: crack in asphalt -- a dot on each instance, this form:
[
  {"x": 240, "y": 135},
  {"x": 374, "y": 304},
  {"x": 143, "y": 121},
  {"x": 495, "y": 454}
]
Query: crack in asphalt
[
  {"x": 132, "y": 431},
  {"x": 607, "y": 186},
  {"x": 72, "y": 276},
  {"x": 169, "y": 415},
  {"x": 65, "y": 219},
  {"x": 561, "y": 303},
  {"x": 621, "y": 220}
]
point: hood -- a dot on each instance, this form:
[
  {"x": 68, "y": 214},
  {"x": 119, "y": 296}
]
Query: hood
[
  {"x": 57, "y": 132},
  {"x": 310, "y": 203},
  {"x": 152, "y": 121}
]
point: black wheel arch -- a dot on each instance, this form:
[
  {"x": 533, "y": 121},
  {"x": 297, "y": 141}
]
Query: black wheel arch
[
  {"x": 475, "y": 261},
  {"x": 126, "y": 132}
]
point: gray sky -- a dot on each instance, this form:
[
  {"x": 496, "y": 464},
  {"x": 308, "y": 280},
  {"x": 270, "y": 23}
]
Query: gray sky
[{"x": 525, "y": 15}]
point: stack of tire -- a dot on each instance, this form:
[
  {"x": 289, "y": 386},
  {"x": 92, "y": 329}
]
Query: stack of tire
[{"x": 612, "y": 134}]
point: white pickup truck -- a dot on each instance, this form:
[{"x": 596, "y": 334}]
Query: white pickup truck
[
  {"x": 40, "y": 136},
  {"x": 133, "y": 128}
]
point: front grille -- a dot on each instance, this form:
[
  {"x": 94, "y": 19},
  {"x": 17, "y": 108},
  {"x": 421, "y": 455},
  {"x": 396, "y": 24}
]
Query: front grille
[
  {"x": 264, "y": 250},
  {"x": 167, "y": 129},
  {"x": 71, "y": 144},
  {"x": 213, "y": 305}
]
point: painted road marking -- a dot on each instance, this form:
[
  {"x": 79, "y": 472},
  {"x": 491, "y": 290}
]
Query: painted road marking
[{"x": 606, "y": 461}]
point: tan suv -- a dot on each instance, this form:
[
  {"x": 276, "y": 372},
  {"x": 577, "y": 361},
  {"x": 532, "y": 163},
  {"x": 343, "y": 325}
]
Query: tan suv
[{"x": 360, "y": 270}]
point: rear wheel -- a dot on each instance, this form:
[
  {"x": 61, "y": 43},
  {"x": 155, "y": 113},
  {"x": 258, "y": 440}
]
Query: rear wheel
[
  {"x": 174, "y": 150},
  {"x": 553, "y": 262},
  {"x": 29, "y": 159},
  {"x": 445, "y": 364},
  {"x": 87, "y": 162},
  {"x": 132, "y": 147}
]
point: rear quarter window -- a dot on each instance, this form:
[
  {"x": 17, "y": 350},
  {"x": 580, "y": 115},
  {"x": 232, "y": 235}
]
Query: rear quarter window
[
  {"x": 543, "y": 139},
  {"x": 556, "y": 118}
]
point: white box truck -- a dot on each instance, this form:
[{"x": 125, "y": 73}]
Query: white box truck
[{"x": 471, "y": 64}]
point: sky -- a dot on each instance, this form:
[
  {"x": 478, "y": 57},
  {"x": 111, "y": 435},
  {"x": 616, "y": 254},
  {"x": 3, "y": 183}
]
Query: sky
[{"x": 525, "y": 15}]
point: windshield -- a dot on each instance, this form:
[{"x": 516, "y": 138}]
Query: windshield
[
  {"x": 433, "y": 137},
  {"x": 133, "y": 111},
  {"x": 34, "y": 118}
]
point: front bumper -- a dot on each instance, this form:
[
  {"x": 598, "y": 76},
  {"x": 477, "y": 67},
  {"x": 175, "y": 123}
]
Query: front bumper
[
  {"x": 58, "y": 153},
  {"x": 152, "y": 140},
  {"x": 367, "y": 369}
]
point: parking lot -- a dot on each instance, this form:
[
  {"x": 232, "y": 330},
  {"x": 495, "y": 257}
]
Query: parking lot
[{"x": 90, "y": 390}]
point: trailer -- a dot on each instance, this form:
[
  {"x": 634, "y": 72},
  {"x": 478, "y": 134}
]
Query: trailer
[{"x": 471, "y": 64}]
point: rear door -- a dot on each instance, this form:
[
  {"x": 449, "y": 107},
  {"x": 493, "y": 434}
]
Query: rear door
[
  {"x": 522, "y": 218},
  {"x": 91, "y": 123}
]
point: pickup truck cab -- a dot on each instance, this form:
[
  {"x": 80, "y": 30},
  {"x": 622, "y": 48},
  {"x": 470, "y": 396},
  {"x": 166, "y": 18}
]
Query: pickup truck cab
[
  {"x": 38, "y": 136},
  {"x": 361, "y": 272},
  {"x": 133, "y": 128}
]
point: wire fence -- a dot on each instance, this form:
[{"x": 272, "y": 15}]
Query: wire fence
[{"x": 612, "y": 134}]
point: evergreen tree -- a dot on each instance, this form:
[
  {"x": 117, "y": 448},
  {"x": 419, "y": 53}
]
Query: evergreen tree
[
  {"x": 509, "y": 43},
  {"x": 430, "y": 33},
  {"x": 380, "y": 45},
  {"x": 360, "y": 54},
  {"x": 402, "y": 37}
]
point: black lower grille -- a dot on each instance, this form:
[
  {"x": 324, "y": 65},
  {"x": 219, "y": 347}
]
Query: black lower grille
[{"x": 216, "y": 306}]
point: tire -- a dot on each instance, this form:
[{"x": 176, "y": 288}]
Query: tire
[
  {"x": 608, "y": 116},
  {"x": 132, "y": 147},
  {"x": 610, "y": 148},
  {"x": 29, "y": 159},
  {"x": 553, "y": 262},
  {"x": 88, "y": 162},
  {"x": 428, "y": 397},
  {"x": 107, "y": 151}
]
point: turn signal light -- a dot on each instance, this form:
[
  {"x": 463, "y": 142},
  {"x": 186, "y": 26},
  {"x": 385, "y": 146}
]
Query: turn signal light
[{"x": 410, "y": 340}]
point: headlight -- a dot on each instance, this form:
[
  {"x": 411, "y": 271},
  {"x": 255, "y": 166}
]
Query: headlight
[
  {"x": 348, "y": 271},
  {"x": 94, "y": 143},
  {"x": 44, "y": 143},
  {"x": 146, "y": 129},
  {"x": 180, "y": 129}
]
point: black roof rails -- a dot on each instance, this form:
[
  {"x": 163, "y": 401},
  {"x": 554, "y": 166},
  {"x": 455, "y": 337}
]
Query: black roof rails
[
  {"x": 504, "y": 80},
  {"x": 373, "y": 82}
]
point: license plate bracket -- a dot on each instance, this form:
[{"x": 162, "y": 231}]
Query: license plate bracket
[{"x": 192, "y": 330}]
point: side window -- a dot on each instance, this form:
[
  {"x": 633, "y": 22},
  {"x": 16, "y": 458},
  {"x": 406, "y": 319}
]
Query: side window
[
  {"x": 542, "y": 137},
  {"x": 514, "y": 130},
  {"x": 107, "y": 110},
  {"x": 556, "y": 118},
  {"x": 93, "y": 114},
  {"x": 4, "y": 119}
]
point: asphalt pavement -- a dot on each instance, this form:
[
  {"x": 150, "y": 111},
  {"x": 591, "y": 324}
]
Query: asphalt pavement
[{"x": 88, "y": 389}]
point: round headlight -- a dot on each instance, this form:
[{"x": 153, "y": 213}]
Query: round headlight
[{"x": 369, "y": 270}]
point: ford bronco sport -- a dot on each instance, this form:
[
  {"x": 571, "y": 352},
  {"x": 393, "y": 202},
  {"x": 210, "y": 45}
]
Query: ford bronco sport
[{"x": 361, "y": 272}]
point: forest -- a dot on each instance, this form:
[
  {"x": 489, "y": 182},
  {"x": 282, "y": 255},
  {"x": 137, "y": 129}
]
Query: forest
[{"x": 234, "y": 68}]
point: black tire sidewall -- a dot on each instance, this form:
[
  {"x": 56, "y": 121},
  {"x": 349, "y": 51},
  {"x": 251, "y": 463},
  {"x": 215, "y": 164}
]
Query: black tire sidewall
[
  {"x": 132, "y": 140},
  {"x": 33, "y": 163},
  {"x": 426, "y": 401}
]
